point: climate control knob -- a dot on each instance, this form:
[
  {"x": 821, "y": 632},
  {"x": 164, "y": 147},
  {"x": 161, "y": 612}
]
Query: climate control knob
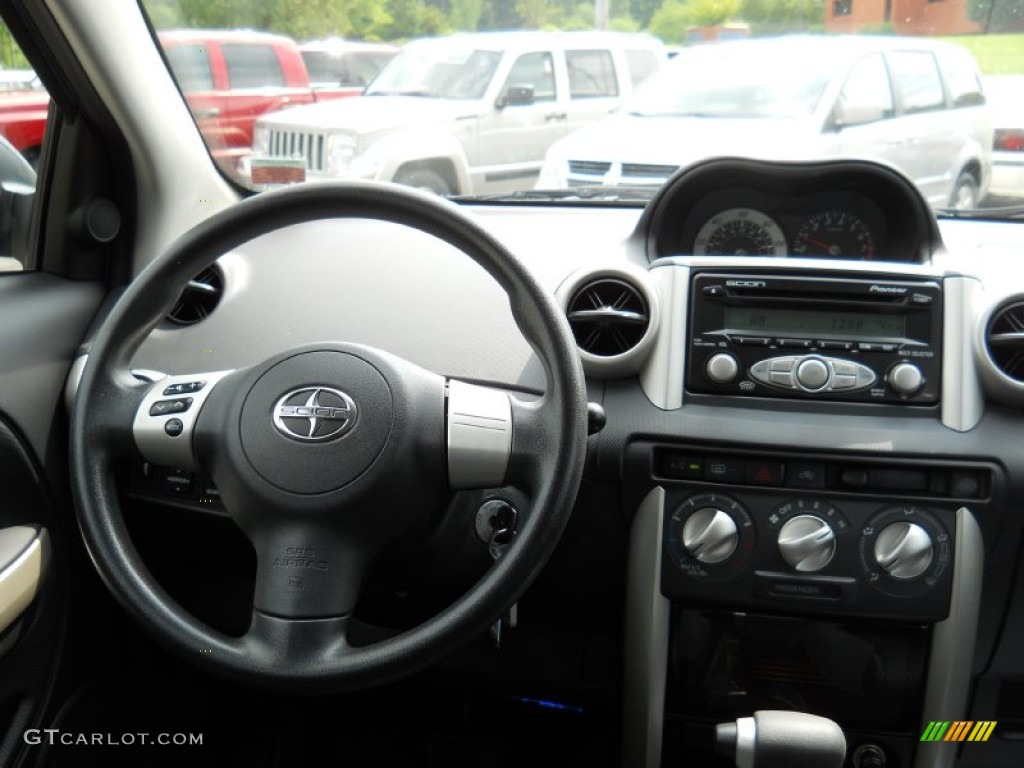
[
  {"x": 904, "y": 550},
  {"x": 722, "y": 368},
  {"x": 807, "y": 543},
  {"x": 710, "y": 535},
  {"x": 905, "y": 378}
]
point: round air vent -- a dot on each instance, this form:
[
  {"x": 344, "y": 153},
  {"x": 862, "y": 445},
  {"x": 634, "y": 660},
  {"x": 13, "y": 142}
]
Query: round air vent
[
  {"x": 612, "y": 314},
  {"x": 1004, "y": 340},
  {"x": 200, "y": 297}
]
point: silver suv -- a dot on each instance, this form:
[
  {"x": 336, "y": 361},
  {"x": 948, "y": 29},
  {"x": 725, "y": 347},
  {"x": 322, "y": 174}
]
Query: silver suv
[
  {"x": 465, "y": 114},
  {"x": 915, "y": 104}
]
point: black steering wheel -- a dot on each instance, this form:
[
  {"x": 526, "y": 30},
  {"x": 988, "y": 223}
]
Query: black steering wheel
[{"x": 324, "y": 455}]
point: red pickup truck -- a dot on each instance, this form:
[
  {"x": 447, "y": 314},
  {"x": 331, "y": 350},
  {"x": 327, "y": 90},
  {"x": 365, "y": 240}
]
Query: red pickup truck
[{"x": 229, "y": 78}]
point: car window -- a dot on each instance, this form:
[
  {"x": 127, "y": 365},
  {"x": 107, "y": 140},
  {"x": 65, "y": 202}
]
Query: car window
[
  {"x": 349, "y": 68},
  {"x": 23, "y": 110},
  {"x": 252, "y": 66},
  {"x": 917, "y": 81},
  {"x": 866, "y": 94},
  {"x": 962, "y": 78},
  {"x": 591, "y": 74},
  {"x": 438, "y": 71},
  {"x": 191, "y": 67},
  {"x": 642, "y": 64},
  {"x": 537, "y": 71}
]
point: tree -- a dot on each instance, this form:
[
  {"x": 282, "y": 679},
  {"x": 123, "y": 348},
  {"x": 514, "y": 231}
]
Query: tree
[
  {"x": 670, "y": 21},
  {"x": 464, "y": 15},
  {"x": 783, "y": 15},
  {"x": 997, "y": 15}
]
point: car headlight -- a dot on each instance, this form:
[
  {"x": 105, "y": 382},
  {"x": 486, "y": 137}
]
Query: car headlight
[
  {"x": 261, "y": 140},
  {"x": 341, "y": 147}
]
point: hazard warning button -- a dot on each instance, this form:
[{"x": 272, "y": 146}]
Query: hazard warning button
[{"x": 764, "y": 472}]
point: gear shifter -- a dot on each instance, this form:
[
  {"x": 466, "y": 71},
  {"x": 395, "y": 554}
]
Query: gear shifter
[{"x": 779, "y": 739}]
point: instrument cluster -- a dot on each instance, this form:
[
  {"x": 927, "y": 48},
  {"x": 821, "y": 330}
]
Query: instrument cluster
[{"x": 737, "y": 222}]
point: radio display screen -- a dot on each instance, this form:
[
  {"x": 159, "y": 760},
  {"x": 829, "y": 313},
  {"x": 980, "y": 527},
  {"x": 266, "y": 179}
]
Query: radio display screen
[{"x": 798, "y": 322}]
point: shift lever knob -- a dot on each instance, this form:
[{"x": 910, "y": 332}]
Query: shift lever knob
[{"x": 779, "y": 739}]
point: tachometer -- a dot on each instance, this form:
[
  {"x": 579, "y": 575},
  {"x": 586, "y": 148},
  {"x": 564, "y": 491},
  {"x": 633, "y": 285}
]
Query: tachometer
[
  {"x": 740, "y": 232},
  {"x": 836, "y": 234}
]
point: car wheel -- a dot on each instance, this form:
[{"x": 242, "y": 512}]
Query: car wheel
[
  {"x": 965, "y": 193},
  {"x": 424, "y": 179},
  {"x": 309, "y": 491}
]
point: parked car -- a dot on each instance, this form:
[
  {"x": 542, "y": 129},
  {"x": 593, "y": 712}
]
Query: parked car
[
  {"x": 1006, "y": 98},
  {"x": 340, "y": 68},
  {"x": 23, "y": 119},
  {"x": 915, "y": 104},
  {"x": 464, "y": 114}
]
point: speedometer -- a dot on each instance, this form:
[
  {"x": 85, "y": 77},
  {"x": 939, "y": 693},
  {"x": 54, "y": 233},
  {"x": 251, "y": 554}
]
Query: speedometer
[
  {"x": 837, "y": 234},
  {"x": 740, "y": 232}
]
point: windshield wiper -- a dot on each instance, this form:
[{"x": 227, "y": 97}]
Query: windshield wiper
[
  {"x": 1000, "y": 212},
  {"x": 595, "y": 192}
]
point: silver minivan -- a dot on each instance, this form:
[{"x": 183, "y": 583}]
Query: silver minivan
[{"x": 915, "y": 104}]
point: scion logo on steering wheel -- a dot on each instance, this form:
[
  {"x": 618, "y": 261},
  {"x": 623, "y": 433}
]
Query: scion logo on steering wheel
[{"x": 315, "y": 413}]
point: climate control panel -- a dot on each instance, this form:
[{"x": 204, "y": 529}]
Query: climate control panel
[{"x": 807, "y": 552}]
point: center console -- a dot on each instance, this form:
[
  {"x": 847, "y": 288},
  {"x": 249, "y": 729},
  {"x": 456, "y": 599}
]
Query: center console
[{"x": 787, "y": 578}]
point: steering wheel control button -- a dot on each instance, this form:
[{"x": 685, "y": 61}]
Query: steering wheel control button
[
  {"x": 177, "y": 482},
  {"x": 174, "y": 427},
  {"x": 807, "y": 543},
  {"x": 904, "y": 550},
  {"x": 710, "y": 535},
  {"x": 479, "y": 433},
  {"x": 167, "y": 407},
  {"x": 722, "y": 368},
  {"x": 812, "y": 374},
  {"x": 905, "y": 378},
  {"x": 184, "y": 388}
]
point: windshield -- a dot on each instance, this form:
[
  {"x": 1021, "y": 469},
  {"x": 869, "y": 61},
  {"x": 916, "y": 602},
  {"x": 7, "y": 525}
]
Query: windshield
[
  {"x": 437, "y": 71},
  {"x": 521, "y": 101},
  {"x": 726, "y": 81}
]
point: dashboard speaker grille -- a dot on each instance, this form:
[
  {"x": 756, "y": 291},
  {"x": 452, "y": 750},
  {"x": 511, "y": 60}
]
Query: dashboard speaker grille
[
  {"x": 200, "y": 297},
  {"x": 608, "y": 316},
  {"x": 1005, "y": 340}
]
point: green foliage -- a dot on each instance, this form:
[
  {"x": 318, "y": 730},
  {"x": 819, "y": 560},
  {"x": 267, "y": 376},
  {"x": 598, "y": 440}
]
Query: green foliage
[
  {"x": 708, "y": 13},
  {"x": 670, "y": 21},
  {"x": 783, "y": 15},
  {"x": 464, "y": 15},
  {"x": 624, "y": 23},
  {"x": 997, "y": 15},
  {"x": 10, "y": 52}
]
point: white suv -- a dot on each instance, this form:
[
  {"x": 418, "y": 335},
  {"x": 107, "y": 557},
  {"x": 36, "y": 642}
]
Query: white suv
[
  {"x": 915, "y": 104},
  {"x": 467, "y": 114}
]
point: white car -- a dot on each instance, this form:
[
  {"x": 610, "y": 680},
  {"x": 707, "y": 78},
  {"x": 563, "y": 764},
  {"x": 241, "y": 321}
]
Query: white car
[
  {"x": 466, "y": 114},
  {"x": 1006, "y": 98},
  {"x": 912, "y": 103}
]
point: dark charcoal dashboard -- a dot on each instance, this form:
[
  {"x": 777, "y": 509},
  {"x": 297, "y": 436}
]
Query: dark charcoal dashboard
[{"x": 811, "y": 458}]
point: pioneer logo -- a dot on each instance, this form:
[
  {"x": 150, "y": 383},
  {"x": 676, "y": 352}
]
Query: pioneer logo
[
  {"x": 746, "y": 283},
  {"x": 892, "y": 290}
]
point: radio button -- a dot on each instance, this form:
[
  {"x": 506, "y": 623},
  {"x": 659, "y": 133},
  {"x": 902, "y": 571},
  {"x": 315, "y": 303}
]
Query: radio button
[
  {"x": 843, "y": 381},
  {"x": 782, "y": 364},
  {"x": 781, "y": 379},
  {"x": 865, "y": 377},
  {"x": 835, "y": 345},
  {"x": 751, "y": 341},
  {"x": 905, "y": 378},
  {"x": 798, "y": 343},
  {"x": 844, "y": 368},
  {"x": 762, "y": 371},
  {"x": 813, "y": 374},
  {"x": 722, "y": 368}
]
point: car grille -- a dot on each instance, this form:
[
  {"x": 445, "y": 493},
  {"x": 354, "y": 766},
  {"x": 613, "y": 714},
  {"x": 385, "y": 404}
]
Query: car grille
[
  {"x": 584, "y": 172},
  {"x": 307, "y": 145}
]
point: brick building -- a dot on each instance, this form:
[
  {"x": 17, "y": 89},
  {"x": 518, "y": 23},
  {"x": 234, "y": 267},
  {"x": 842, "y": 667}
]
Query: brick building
[{"x": 908, "y": 17}]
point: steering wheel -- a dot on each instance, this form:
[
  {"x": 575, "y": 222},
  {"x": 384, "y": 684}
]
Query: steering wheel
[{"x": 325, "y": 454}]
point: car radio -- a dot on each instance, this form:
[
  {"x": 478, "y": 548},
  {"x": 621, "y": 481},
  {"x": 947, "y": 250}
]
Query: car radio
[{"x": 851, "y": 339}]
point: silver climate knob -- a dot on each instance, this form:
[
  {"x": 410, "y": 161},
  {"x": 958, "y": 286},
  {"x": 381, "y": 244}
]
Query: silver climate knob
[
  {"x": 807, "y": 543},
  {"x": 905, "y": 378},
  {"x": 710, "y": 535},
  {"x": 904, "y": 550},
  {"x": 722, "y": 368}
]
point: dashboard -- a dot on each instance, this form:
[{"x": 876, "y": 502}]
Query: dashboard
[{"x": 808, "y": 464}]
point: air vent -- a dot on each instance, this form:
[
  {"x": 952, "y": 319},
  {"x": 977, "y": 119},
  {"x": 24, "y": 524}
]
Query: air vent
[
  {"x": 200, "y": 297},
  {"x": 1004, "y": 339},
  {"x": 608, "y": 317}
]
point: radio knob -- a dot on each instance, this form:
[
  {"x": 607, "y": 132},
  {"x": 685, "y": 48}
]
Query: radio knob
[
  {"x": 710, "y": 535},
  {"x": 905, "y": 378},
  {"x": 812, "y": 374},
  {"x": 722, "y": 368},
  {"x": 807, "y": 543},
  {"x": 904, "y": 550}
]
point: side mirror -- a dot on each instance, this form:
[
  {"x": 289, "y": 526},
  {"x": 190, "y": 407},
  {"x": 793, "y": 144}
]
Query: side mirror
[
  {"x": 849, "y": 115},
  {"x": 515, "y": 96}
]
